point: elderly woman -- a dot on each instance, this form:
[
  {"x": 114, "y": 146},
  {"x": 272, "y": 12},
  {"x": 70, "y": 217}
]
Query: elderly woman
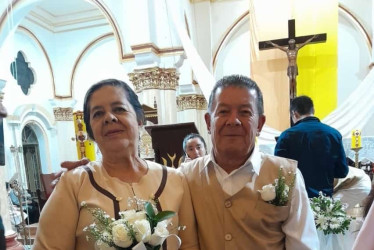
[{"x": 113, "y": 115}]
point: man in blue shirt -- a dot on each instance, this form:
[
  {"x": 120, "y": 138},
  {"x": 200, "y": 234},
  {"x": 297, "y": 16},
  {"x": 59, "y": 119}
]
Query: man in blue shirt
[{"x": 316, "y": 146}]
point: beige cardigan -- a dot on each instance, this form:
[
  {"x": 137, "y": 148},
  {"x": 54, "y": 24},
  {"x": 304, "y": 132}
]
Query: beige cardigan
[{"x": 62, "y": 220}]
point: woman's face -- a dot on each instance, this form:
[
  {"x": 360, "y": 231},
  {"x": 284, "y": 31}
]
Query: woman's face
[
  {"x": 113, "y": 119},
  {"x": 195, "y": 148}
]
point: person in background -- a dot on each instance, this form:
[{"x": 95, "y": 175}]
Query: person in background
[
  {"x": 365, "y": 237},
  {"x": 317, "y": 147},
  {"x": 194, "y": 146},
  {"x": 112, "y": 114},
  {"x": 27, "y": 205}
]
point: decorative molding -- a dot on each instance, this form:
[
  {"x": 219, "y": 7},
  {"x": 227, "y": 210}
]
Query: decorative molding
[
  {"x": 33, "y": 36},
  {"x": 154, "y": 78},
  {"x": 152, "y": 48},
  {"x": 356, "y": 21},
  {"x": 191, "y": 102},
  {"x": 227, "y": 35},
  {"x": 63, "y": 114},
  {"x": 81, "y": 55}
]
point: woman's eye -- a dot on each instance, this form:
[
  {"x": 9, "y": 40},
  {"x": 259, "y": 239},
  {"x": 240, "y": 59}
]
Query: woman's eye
[
  {"x": 119, "y": 109},
  {"x": 97, "y": 114}
]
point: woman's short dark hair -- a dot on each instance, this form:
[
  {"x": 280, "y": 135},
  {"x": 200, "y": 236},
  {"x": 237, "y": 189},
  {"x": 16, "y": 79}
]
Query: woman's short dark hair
[
  {"x": 130, "y": 94},
  {"x": 191, "y": 136}
]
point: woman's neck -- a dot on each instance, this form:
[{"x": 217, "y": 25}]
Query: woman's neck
[{"x": 126, "y": 168}]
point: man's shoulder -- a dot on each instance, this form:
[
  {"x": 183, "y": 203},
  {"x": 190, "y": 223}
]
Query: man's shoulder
[
  {"x": 272, "y": 161},
  {"x": 330, "y": 129},
  {"x": 194, "y": 166}
]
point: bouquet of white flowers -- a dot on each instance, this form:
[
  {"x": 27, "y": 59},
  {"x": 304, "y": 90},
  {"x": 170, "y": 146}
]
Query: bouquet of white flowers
[
  {"x": 134, "y": 228},
  {"x": 329, "y": 215}
]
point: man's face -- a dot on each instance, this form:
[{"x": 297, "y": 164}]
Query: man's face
[{"x": 234, "y": 122}]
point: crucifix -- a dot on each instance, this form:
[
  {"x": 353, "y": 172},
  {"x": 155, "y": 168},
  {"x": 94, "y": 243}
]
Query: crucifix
[{"x": 293, "y": 43}]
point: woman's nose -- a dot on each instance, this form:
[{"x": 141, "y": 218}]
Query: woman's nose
[{"x": 109, "y": 117}]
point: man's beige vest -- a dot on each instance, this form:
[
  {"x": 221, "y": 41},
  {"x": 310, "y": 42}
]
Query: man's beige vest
[{"x": 241, "y": 221}]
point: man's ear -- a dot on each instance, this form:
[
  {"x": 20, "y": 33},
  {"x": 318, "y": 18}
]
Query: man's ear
[
  {"x": 261, "y": 122},
  {"x": 207, "y": 121}
]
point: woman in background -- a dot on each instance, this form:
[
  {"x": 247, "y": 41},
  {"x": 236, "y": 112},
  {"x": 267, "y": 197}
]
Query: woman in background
[{"x": 194, "y": 146}]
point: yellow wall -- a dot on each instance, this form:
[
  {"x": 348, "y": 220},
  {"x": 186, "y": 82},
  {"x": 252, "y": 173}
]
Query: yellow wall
[{"x": 318, "y": 63}]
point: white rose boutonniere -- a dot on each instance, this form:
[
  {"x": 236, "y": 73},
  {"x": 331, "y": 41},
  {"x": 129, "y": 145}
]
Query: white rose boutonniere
[
  {"x": 278, "y": 192},
  {"x": 268, "y": 192}
]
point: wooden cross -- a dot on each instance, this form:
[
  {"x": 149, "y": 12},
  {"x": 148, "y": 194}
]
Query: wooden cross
[{"x": 293, "y": 44}]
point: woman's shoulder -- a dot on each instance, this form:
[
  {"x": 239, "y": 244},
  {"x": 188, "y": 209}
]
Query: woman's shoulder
[
  {"x": 82, "y": 171},
  {"x": 172, "y": 172}
]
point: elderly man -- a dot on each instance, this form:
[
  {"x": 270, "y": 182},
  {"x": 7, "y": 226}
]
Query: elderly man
[{"x": 224, "y": 185}]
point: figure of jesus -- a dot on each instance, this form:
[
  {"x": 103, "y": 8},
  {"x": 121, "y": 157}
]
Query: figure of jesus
[{"x": 291, "y": 52}]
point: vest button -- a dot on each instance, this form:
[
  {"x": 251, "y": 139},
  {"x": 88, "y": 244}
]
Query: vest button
[
  {"x": 228, "y": 237},
  {"x": 228, "y": 204}
]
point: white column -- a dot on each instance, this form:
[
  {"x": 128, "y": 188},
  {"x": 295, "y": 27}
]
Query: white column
[
  {"x": 160, "y": 85},
  {"x": 63, "y": 114},
  {"x": 192, "y": 107}
]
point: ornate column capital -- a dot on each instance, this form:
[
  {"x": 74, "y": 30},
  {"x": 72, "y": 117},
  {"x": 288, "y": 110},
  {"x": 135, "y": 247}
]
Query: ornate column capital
[
  {"x": 63, "y": 114},
  {"x": 154, "y": 78},
  {"x": 193, "y": 101}
]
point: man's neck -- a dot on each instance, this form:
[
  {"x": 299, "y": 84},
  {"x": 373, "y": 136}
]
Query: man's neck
[
  {"x": 303, "y": 116},
  {"x": 230, "y": 163}
]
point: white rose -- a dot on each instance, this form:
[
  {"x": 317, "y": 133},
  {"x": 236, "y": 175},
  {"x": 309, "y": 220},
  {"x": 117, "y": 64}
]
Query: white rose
[
  {"x": 142, "y": 230},
  {"x": 268, "y": 192},
  {"x": 160, "y": 234},
  {"x": 121, "y": 236},
  {"x": 128, "y": 214},
  {"x": 141, "y": 215}
]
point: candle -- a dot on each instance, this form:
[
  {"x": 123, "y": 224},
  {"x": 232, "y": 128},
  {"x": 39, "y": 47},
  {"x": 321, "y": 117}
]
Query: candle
[{"x": 356, "y": 139}]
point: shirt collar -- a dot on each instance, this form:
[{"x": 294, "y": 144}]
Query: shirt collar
[{"x": 255, "y": 158}]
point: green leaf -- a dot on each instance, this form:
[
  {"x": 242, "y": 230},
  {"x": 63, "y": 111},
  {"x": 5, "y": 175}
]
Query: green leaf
[
  {"x": 163, "y": 215},
  {"x": 149, "y": 210}
]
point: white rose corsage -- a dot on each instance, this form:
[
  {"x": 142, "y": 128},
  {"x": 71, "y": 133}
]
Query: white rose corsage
[
  {"x": 141, "y": 228},
  {"x": 278, "y": 192}
]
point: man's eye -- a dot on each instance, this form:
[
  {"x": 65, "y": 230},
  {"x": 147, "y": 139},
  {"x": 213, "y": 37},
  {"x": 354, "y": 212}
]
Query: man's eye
[
  {"x": 223, "y": 111},
  {"x": 246, "y": 112}
]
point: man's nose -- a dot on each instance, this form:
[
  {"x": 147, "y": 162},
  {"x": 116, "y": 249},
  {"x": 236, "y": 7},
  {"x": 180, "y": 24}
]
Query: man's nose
[{"x": 233, "y": 119}]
